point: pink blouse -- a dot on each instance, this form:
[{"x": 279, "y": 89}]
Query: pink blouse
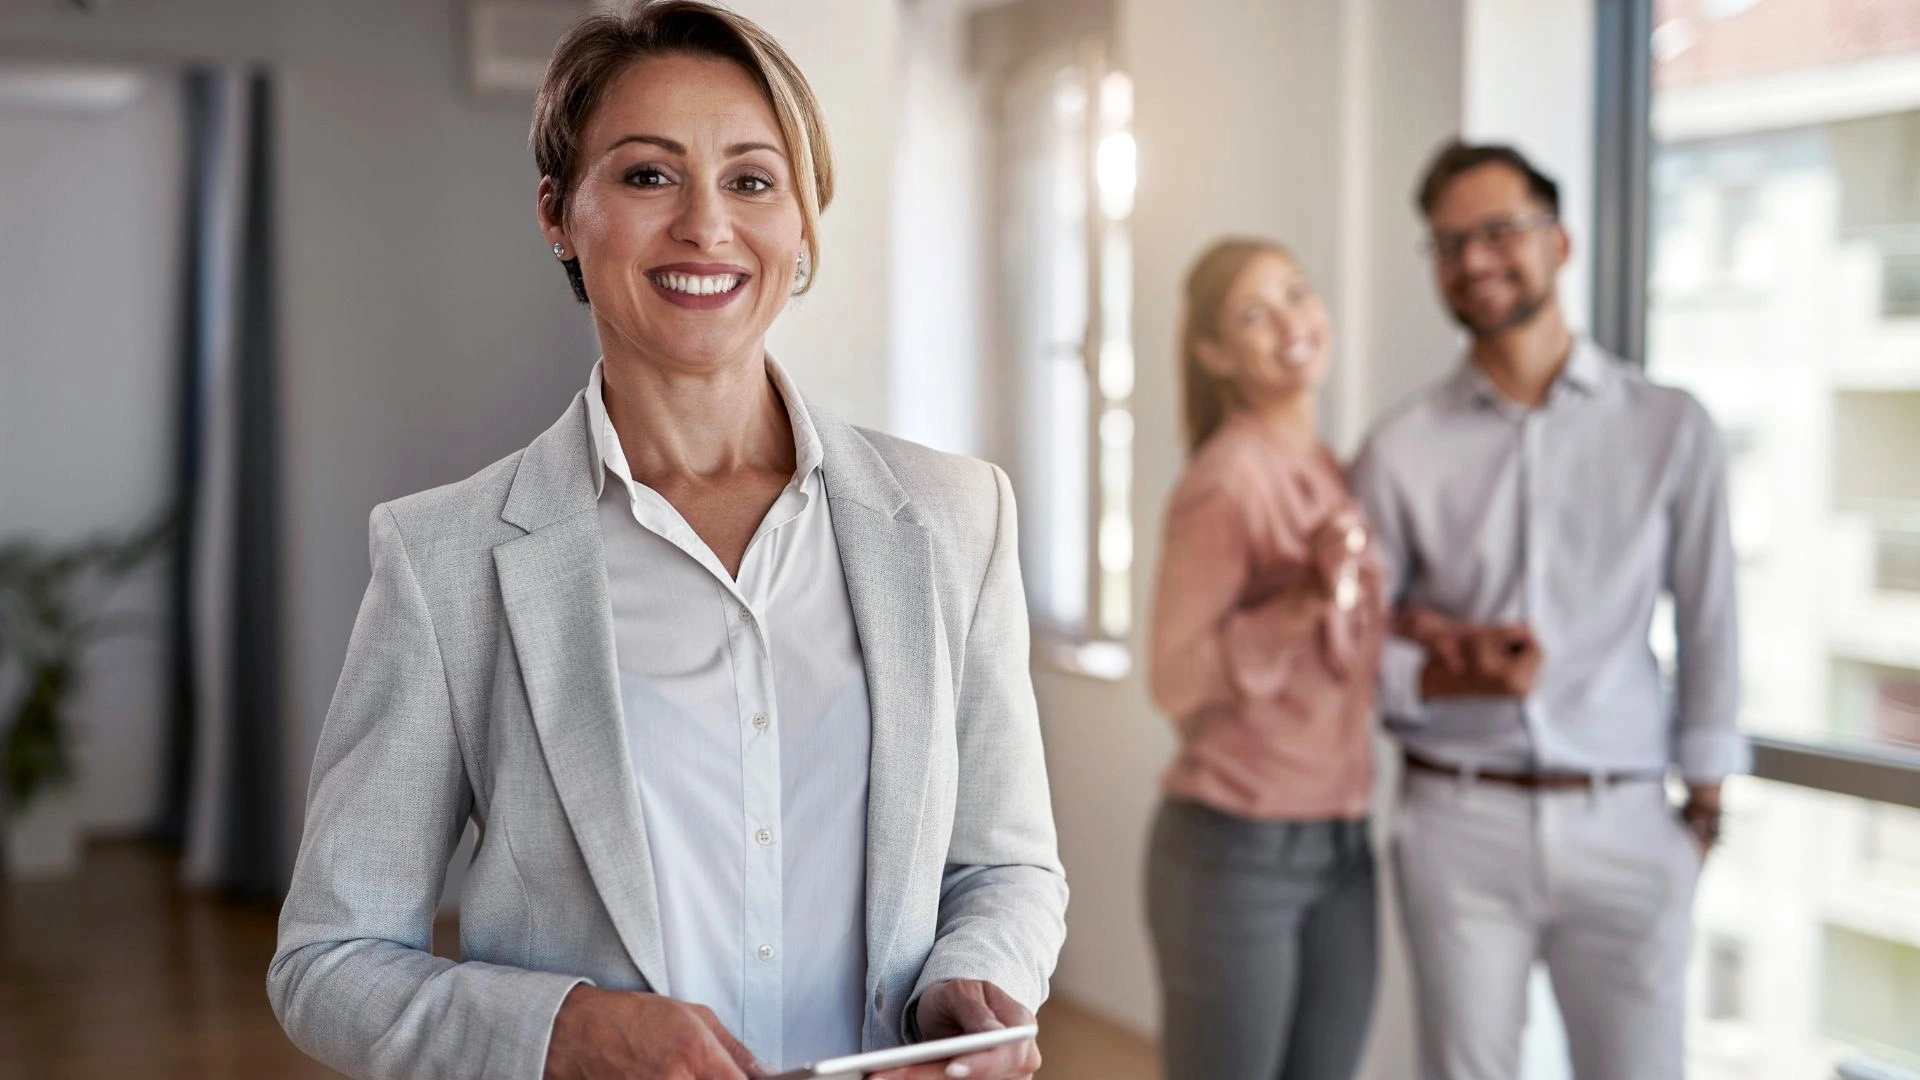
[{"x": 1273, "y": 708}]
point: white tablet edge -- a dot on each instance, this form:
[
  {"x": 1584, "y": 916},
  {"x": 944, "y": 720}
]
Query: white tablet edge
[{"x": 911, "y": 1054}]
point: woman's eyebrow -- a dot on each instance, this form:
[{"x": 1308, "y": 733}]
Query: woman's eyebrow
[
  {"x": 660, "y": 141},
  {"x": 673, "y": 147}
]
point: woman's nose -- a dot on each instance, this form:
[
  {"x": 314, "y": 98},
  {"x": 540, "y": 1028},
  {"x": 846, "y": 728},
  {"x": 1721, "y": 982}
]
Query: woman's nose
[{"x": 703, "y": 221}]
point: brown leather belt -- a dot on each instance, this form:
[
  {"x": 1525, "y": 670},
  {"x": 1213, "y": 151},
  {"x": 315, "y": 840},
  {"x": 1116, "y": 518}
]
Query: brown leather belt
[{"x": 1535, "y": 781}]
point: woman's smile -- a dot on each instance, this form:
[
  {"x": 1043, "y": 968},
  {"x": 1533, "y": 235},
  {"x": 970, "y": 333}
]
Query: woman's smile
[{"x": 699, "y": 286}]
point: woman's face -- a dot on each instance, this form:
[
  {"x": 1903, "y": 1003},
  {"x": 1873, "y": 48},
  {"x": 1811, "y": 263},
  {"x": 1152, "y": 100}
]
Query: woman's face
[
  {"x": 685, "y": 217},
  {"x": 1272, "y": 340}
]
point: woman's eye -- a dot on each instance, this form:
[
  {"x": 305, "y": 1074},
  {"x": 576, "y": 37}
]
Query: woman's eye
[
  {"x": 753, "y": 185},
  {"x": 647, "y": 176}
]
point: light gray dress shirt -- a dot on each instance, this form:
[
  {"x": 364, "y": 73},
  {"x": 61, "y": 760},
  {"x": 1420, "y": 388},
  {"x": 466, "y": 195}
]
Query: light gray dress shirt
[
  {"x": 746, "y": 713},
  {"x": 1574, "y": 518}
]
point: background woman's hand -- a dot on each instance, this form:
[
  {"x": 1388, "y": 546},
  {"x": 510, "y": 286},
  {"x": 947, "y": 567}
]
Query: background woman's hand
[
  {"x": 963, "y": 1007},
  {"x": 1296, "y": 606},
  {"x": 628, "y": 1035},
  {"x": 1339, "y": 548}
]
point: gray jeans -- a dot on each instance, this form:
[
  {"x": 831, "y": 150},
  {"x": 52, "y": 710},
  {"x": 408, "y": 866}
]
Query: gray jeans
[{"x": 1265, "y": 935}]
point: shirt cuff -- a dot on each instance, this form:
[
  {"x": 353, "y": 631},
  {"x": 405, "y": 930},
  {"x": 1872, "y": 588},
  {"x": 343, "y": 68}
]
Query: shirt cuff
[
  {"x": 1708, "y": 757},
  {"x": 1402, "y": 663}
]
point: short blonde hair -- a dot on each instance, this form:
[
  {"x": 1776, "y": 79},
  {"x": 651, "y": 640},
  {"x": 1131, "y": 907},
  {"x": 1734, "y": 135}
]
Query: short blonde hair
[{"x": 604, "y": 45}]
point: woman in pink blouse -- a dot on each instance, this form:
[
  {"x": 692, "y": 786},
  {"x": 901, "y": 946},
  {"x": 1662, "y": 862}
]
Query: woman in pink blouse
[{"x": 1266, "y": 638}]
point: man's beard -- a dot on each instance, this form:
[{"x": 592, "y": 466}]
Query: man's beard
[{"x": 1520, "y": 314}]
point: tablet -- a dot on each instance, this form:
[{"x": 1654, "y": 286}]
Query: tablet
[{"x": 857, "y": 1065}]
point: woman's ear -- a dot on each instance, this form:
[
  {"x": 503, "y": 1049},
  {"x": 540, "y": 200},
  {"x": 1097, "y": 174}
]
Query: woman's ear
[{"x": 545, "y": 207}]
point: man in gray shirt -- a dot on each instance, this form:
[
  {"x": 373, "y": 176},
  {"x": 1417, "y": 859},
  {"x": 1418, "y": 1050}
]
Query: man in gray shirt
[{"x": 1532, "y": 509}]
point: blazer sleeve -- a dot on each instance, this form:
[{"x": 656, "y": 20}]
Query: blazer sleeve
[
  {"x": 1003, "y": 897},
  {"x": 352, "y": 980}
]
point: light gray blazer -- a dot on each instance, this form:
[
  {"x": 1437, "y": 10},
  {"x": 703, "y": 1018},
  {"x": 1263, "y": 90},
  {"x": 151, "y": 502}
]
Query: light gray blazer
[{"x": 480, "y": 683}]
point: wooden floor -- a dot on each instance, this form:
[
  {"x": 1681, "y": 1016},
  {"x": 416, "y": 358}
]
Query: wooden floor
[{"x": 119, "y": 974}]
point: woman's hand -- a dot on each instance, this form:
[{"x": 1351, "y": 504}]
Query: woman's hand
[
  {"x": 1338, "y": 548},
  {"x": 1331, "y": 576},
  {"x": 634, "y": 1036},
  {"x": 964, "y": 1007},
  {"x": 1297, "y": 606}
]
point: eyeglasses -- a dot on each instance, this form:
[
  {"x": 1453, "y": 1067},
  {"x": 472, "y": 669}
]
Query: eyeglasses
[{"x": 1448, "y": 247}]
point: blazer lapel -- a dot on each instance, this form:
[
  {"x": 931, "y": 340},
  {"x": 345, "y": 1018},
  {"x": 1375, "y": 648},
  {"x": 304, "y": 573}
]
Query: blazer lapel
[
  {"x": 553, "y": 586},
  {"x": 888, "y": 561}
]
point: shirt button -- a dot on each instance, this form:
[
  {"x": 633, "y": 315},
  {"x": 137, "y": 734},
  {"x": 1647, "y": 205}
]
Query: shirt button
[
  {"x": 765, "y": 952},
  {"x": 760, "y": 722},
  {"x": 746, "y": 615},
  {"x": 764, "y": 837}
]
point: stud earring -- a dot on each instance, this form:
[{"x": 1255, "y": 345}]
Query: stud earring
[{"x": 559, "y": 251}]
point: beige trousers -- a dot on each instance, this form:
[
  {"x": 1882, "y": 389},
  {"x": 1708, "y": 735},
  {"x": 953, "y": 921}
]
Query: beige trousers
[{"x": 1596, "y": 884}]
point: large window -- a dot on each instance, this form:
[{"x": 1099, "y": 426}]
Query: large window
[
  {"x": 1784, "y": 223},
  {"x": 1066, "y": 273},
  {"x": 1778, "y": 279}
]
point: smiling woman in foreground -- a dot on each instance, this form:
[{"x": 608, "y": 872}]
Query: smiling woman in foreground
[{"x": 736, "y": 694}]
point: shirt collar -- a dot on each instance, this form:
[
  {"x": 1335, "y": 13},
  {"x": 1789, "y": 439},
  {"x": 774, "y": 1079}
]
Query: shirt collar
[
  {"x": 1585, "y": 372},
  {"x": 607, "y": 456},
  {"x": 1587, "y": 369}
]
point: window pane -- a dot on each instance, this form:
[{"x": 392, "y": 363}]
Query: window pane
[
  {"x": 1785, "y": 229},
  {"x": 1827, "y": 969},
  {"x": 1785, "y": 236},
  {"x": 1045, "y": 295},
  {"x": 1066, "y": 278}
]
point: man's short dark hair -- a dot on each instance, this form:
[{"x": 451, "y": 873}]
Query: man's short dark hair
[{"x": 1457, "y": 158}]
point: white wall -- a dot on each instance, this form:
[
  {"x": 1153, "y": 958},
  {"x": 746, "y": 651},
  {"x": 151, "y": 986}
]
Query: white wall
[
  {"x": 426, "y": 330},
  {"x": 835, "y": 339},
  {"x": 1415, "y": 69},
  {"x": 1530, "y": 72},
  {"x": 941, "y": 295},
  {"x": 88, "y": 241}
]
